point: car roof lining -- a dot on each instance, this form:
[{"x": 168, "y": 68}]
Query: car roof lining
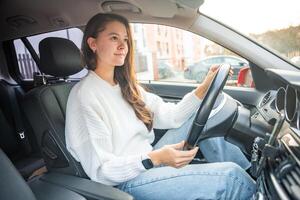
[{"x": 24, "y": 18}]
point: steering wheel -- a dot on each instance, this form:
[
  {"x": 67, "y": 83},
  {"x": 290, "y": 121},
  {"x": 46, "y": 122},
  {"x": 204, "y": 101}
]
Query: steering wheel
[{"x": 206, "y": 106}]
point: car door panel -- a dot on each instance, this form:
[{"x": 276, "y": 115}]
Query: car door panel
[{"x": 175, "y": 92}]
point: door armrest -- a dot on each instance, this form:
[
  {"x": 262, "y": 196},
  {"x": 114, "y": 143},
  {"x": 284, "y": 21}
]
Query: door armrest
[{"x": 85, "y": 187}]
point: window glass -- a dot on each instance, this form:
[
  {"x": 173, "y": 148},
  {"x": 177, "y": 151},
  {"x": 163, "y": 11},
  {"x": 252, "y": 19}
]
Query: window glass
[
  {"x": 275, "y": 24},
  {"x": 181, "y": 56},
  {"x": 27, "y": 66}
]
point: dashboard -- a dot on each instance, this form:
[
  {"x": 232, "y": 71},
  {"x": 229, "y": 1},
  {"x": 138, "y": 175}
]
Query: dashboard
[{"x": 277, "y": 158}]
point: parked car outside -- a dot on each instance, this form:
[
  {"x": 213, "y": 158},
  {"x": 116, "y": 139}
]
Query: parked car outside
[
  {"x": 198, "y": 70},
  {"x": 165, "y": 70}
]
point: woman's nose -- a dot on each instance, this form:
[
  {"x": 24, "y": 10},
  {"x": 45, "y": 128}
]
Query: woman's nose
[{"x": 122, "y": 45}]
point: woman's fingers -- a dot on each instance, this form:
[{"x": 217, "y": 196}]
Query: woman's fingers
[
  {"x": 182, "y": 164},
  {"x": 178, "y": 146},
  {"x": 183, "y": 161},
  {"x": 175, "y": 157},
  {"x": 189, "y": 153},
  {"x": 186, "y": 155},
  {"x": 214, "y": 67}
]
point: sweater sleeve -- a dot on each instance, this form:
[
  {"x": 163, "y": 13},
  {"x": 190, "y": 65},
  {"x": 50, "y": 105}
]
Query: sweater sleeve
[
  {"x": 91, "y": 145},
  {"x": 170, "y": 115}
]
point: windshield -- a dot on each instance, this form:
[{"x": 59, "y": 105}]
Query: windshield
[{"x": 275, "y": 24}]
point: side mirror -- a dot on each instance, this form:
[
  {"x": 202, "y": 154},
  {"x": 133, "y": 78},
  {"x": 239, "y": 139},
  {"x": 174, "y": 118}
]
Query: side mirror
[{"x": 245, "y": 78}]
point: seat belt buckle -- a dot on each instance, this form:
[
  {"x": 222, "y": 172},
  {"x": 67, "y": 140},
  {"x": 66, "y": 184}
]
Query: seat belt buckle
[{"x": 22, "y": 135}]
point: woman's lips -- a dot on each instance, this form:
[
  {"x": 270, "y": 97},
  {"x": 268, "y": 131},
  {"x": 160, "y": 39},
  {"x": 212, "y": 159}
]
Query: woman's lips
[{"x": 120, "y": 54}]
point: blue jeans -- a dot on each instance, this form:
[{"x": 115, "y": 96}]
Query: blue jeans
[{"x": 223, "y": 178}]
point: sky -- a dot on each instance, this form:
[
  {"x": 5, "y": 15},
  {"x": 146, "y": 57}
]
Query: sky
[{"x": 254, "y": 16}]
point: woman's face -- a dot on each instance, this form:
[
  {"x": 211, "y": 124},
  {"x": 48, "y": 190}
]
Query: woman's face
[{"x": 111, "y": 45}]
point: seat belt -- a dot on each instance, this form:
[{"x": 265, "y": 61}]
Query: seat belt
[{"x": 19, "y": 126}]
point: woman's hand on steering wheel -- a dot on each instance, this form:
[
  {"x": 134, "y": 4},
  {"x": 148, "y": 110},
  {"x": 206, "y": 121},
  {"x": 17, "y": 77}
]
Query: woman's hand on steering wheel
[{"x": 202, "y": 88}]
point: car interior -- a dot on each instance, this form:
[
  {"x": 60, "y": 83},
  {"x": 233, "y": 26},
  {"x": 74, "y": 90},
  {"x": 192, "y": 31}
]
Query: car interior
[{"x": 262, "y": 120}]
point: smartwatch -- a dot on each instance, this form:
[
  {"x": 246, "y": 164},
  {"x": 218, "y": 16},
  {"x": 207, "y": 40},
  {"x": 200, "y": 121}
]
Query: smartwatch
[{"x": 147, "y": 163}]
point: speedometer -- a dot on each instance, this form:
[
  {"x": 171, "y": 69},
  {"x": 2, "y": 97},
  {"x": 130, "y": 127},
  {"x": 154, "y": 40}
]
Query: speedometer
[{"x": 291, "y": 103}]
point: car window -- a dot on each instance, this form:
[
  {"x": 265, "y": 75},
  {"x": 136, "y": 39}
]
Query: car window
[
  {"x": 169, "y": 54},
  {"x": 27, "y": 65},
  {"x": 276, "y": 27}
]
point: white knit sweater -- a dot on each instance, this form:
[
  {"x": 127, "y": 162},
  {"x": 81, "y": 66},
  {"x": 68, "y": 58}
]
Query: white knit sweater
[{"x": 104, "y": 134}]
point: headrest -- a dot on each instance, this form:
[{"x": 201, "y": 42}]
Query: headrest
[{"x": 59, "y": 57}]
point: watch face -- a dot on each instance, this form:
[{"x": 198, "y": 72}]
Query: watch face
[{"x": 147, "y": 163}]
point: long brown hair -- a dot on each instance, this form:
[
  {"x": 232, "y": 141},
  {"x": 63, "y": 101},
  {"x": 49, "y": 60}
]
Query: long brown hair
[{"x": 123, "y": 75}]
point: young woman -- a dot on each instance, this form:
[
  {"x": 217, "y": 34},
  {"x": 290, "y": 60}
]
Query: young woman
[{"x": 110, "y": 121}]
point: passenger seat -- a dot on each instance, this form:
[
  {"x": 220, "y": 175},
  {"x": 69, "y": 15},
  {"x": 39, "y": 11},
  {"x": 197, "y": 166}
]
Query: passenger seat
[{"x": 45, "y": 106}]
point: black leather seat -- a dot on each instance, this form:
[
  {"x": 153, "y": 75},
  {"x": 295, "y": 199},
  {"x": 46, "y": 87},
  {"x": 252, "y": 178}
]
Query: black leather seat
[
  {"x": 25, "y": 156},
  {"x": 45, "y": 106},
  {"x": 13, "y": 186}
]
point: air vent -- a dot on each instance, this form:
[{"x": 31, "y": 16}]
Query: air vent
[
  {"x": 265, "y": 99},
  {"x": 288, "y": 174},
  {"x": 292, "y": 182}
]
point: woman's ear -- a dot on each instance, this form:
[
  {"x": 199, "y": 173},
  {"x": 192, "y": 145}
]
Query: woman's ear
[{"x": 92, "y": 44}]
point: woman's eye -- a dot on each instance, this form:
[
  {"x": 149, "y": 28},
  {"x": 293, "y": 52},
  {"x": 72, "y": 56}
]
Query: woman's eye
[
  {"x": 114, "y": 38},
  {"x": 126, "y": 40}
]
